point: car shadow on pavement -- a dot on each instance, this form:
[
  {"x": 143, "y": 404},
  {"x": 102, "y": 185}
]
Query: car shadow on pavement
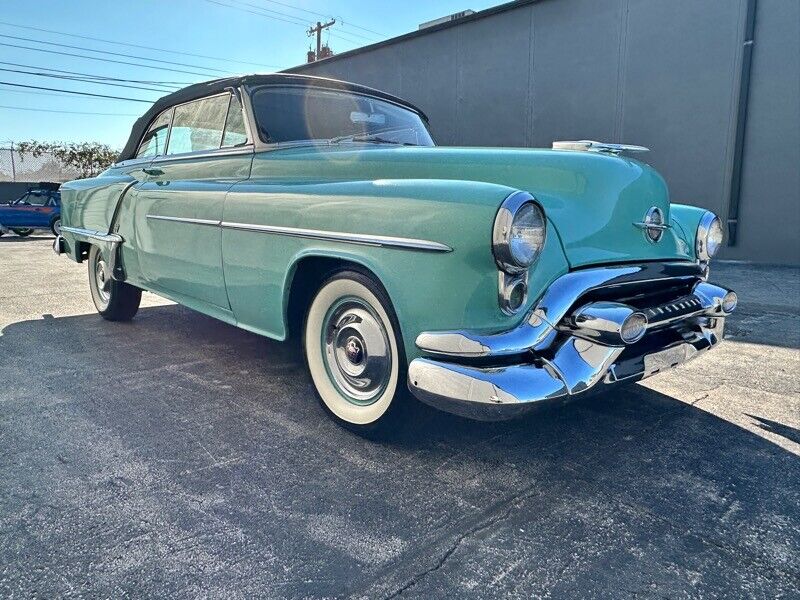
[{"x": 176, "y": 426}]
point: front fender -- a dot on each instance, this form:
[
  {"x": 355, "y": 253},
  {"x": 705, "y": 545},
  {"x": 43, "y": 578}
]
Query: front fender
[
  {"x": 685, "y": 220},
  {"x": 429, "y": 289}
]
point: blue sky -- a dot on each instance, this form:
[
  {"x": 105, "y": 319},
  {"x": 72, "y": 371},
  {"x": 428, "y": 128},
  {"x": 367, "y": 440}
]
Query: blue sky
[{"x": 272, "y": 39}]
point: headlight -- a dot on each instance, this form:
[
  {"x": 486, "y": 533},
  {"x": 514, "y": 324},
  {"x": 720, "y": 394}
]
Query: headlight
[
  {"x": 519, "y": 233},
  {"x": 709, "y": 236}
]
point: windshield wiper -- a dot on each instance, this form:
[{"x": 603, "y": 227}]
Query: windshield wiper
[{"x": 367, "y": 137}]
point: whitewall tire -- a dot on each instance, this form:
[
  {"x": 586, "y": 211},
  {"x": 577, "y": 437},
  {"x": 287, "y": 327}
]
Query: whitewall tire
[{"x": 354, "y": 351}]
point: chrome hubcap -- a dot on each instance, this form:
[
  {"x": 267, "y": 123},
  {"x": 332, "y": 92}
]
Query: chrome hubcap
[
  {"x": 57, "y": 227},
  {"x": 103, "y": 281},
  {"x": 356, "y": 349}
]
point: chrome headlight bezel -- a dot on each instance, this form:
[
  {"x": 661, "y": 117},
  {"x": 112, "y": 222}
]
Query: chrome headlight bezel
[
  {"x": 704, "y": 229},
  {"x": 503, "y": 228}
]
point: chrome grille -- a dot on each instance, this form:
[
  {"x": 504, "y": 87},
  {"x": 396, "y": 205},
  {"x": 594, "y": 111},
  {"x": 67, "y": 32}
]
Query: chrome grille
[{"x": 676, "y": 309}]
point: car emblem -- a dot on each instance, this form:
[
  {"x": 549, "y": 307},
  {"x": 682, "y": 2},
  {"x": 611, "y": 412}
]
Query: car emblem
[{"x": 653, "y": 224}]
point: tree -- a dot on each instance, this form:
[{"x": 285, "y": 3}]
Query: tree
[{"x": 90, "y": 158}]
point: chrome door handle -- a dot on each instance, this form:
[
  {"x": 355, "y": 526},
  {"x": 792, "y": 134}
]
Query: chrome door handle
[{"x": 153, "y": 171}]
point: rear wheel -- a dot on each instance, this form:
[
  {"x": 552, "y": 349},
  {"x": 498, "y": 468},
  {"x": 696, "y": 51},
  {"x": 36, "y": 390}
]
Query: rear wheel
[
  {"x": 55, "y": 226},
  {"x": 23, "y": 232},
  {"x": 355, "y": 354},
  {"x": 114, "y": 300}
]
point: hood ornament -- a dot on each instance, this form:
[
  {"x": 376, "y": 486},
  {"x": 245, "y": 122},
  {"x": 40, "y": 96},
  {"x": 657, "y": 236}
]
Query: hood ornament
[{"x": 601, "y": 147}]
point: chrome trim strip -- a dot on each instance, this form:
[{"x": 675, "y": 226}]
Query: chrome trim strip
[
  {"x": 337, "y": 236},
  {"x": 646, "y": 225},
  {"x": 192, "y": 221},
  {"x": 95, "y": 235},
  {"x": 216, "y": 152}
]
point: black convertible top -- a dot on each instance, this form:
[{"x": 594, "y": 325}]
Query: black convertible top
[{"x": 206, "y": 88}]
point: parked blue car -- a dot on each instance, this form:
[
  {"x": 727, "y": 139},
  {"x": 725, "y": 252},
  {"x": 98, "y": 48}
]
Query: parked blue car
[{"x": 38, "y": 208}]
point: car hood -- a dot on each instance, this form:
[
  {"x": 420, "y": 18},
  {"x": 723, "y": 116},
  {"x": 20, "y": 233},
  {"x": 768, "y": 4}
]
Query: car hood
[{"x": 593, "y": 200}]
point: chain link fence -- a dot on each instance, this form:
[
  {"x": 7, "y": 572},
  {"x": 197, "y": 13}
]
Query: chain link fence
[{"x": 25, "y": 167}]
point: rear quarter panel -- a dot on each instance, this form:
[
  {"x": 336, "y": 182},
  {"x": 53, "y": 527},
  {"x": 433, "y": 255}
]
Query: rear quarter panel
[{"x": 91, "y": 203}]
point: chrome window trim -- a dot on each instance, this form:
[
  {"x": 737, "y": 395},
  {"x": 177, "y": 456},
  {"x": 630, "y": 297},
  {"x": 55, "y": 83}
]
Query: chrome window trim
[
  {"x": 198, "y": 153},
  {"x": 227, "y": 151},
  {"x": 170, "y": 110}
]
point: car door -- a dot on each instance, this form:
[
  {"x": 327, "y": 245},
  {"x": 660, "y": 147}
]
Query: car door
[
  {"x": 178, "y": 206},
  {"x": 30, "y": 211},
  {"x": 45, "y": 213},
  {"x": 11, "y": 213}
]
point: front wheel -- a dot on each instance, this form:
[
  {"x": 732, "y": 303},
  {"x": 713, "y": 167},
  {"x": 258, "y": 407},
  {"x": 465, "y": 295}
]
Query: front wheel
[
  {"x": 354, "y": 353},
  {"x": 55, "y": 226},
  {"x": 23, "y": 232},
  {"x": 114, "y": 300}
]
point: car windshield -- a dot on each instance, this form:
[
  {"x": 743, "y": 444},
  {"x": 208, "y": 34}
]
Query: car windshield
[{"x": 309, "y": 114}]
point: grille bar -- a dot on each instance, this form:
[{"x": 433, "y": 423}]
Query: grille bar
[{"x": 670, "y": 311}]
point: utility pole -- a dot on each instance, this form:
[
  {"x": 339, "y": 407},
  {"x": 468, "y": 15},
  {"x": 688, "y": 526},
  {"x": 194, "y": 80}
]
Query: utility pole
[
  {"x": 318, "y": 31},
  {"x": 13, "y": 166}
]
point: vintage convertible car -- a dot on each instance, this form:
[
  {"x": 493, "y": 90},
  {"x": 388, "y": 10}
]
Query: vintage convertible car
[{"x": 485, "y": 280}]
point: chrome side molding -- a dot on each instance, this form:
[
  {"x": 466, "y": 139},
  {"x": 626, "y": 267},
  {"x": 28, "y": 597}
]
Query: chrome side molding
[
  {"x": 362, "y": 239},
  {"x": 92, "y": 234},
  {"x": 338, "y": 236}
]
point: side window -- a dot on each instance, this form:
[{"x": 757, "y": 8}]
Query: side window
[
  {"x": 198, "y": 125},
  {"x": 35, "y": 199},
  {"x": 155, "y": 140},
  {"x": 235, "y": 132}
]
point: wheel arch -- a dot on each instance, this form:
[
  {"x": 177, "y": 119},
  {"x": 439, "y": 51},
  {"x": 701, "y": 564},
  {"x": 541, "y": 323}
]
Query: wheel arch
[{"x": 305, "y": 276}]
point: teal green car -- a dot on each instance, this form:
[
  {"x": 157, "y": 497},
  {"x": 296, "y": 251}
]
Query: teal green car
[{"x": 483, "y": 280}]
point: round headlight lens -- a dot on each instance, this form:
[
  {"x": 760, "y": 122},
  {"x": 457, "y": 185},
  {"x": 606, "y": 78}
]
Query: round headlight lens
[
  {"x": 709, "y": 236},
  {"x": 527, "y": 234},
  {"x": 519, "y": 233}
]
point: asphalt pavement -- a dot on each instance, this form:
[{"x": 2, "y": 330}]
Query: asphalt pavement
[{"x": 179, "y": 457}]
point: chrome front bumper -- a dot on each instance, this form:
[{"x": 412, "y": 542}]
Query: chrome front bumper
[{"x": 500, "y": 375}]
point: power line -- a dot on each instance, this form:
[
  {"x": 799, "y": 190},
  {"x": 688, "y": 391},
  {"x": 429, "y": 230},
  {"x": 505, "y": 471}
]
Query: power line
[
  {"x": 107, "y": 60},
  {"x": 318, "y": 14},
  {"x": 105, "y": 41},
  {"x": 262, "y": 12},
  {"x": 69, "y": 112},
  {"x": 29, "y": 92},
  {"x": 338, "y": 34},
  {"x": 108, "y": 52},
  {"x": 253, "y": 12},
  {"x": 174, "y": 84},
  {"x": 85, "y": 80},
  {"x": 36, "y": 87}
]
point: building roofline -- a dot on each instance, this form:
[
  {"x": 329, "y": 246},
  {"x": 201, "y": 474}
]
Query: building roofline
[{"x": 488, "y": 12}]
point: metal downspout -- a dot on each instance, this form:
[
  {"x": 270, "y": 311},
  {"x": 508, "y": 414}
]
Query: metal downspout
[{"x": 741, "y": 123}]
